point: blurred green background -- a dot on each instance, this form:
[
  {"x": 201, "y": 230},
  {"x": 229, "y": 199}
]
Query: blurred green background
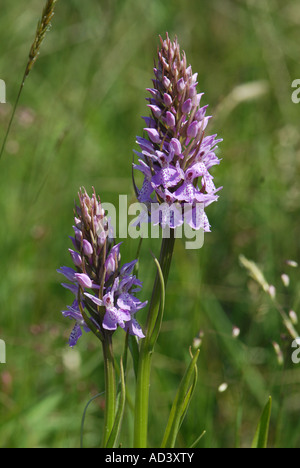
[{"x": 76, "y": 125}]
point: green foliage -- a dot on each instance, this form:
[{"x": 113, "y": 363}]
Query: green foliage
[
  {"x": 261, "y": 435},
  {"x": 115, "y": 433},
  {"x": 181, "y": 403},
  {"x": 75, "y": 126}
]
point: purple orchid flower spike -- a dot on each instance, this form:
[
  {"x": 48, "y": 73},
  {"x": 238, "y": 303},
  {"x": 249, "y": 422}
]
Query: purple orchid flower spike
[
  {"x": 175, "y": 155},
  {"x": 104, "y": 289}
]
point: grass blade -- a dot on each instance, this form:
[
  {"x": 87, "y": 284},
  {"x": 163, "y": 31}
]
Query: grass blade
[
  {"x": 135, "y": 352},
  {"x": 156, "y": 329},
  {"x": 181, "y": 403},
  {"x": 261, "y": 436},
  {"x": 84, "y": 416},
  {"x": 194, "y": 444}
]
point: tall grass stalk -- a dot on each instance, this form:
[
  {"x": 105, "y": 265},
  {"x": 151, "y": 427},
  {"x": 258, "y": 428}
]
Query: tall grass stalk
[{"x": 43, "y": 27}]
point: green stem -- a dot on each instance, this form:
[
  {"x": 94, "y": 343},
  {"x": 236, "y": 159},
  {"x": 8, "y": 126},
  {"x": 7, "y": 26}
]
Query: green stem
[
  {"x": 12, "y": 117},
  {"x": 146, "y": 351},
  {"x": 142, "y": 400},
  {"x": 110, "y": 388}
]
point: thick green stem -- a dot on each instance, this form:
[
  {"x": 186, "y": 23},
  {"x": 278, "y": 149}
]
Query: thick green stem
[
  {"x": 110, "y": 388},
  {"x": 146, "y": 351},
  {"x": 142, "y": 400}
]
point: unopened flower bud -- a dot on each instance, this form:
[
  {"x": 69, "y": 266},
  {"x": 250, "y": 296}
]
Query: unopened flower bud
[
  {"x": 175, "y": 146},
  {"x": 156, "y": 110},
  {"x": 180, "y": 85},
  {"x": 153, "y": 134},
  {"x": 84, "y": 280},
  {"x": 167, "y": 99},
  {"x": 87, "y": 248},
  {"x": 193, "y": 129},
  {"x": 200, "y": 114},
  {"x": 166, "y": 82},
  {"x": 170, "y": 119},
  {"x": 187, "y": 106},
  {"x": 76, "y": 257}
]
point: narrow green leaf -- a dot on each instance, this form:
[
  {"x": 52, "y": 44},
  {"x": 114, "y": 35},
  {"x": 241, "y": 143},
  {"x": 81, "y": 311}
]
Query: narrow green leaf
[
  {"x": 125, "y": 353},
  {"x": 194, "y": 444},
  {"x": 84, "y": 415},
  {"x": 181, "y": 402},
  {"x": 135, "y": 353},
  {"x": 136, "y": 190},
  {"x": 136, "y": 268},
  {"x": 189, "y": 395},
  {"x": 113, "y": 438},
  {"x": 261, "y": 436},
  {"x": 156, "y": 329}
]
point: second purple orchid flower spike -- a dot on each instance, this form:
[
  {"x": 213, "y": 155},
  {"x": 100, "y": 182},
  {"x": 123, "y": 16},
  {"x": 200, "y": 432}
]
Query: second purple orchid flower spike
[{"x": 104, "y": 289}]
